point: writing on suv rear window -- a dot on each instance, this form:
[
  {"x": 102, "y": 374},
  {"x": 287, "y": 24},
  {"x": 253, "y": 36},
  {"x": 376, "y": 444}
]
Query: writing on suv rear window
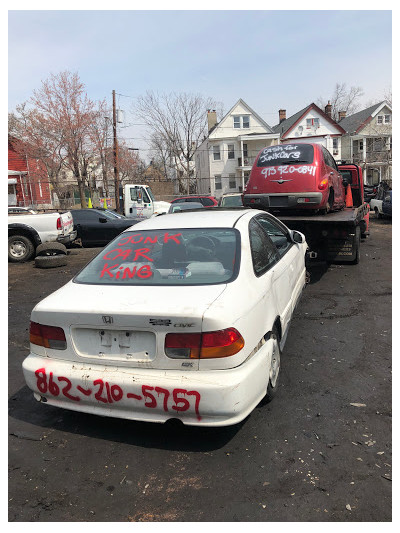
[
  {"x": 198, "y": 256},
  {"x": 287, "y": 154}
]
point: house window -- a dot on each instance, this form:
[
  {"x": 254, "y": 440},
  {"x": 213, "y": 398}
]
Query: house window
[
  {"x": 231, "y": 151},
  {"x": 241, "y": 121},
  {"x": 218, "y": 182},
  {"x": 379, "y": 119},
  {"x": 361, "y": 146},
  {"x": 232, "y": 181},
  {"x": 388, "y": 119},
  {"x": 216, "y": 153},
  {"x": 245, "y": 153},
  {"x": 310, "y": 122},
  {"x": 335, "y": 145}
]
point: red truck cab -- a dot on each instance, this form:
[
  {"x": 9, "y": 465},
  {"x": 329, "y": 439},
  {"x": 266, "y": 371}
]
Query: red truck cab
[{"x": 293, "y": 177}]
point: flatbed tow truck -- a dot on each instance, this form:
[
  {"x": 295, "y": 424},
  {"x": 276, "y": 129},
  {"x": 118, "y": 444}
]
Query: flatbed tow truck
[{"x": 334, "y": 236}]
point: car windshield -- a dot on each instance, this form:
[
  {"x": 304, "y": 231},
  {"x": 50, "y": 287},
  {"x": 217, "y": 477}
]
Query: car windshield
[
  {"x": 198, "y": 256},
  {"x": 111, "y": 214},
  {"x": 183, "y": 206},
  {"x": 232, "y": 201},
  {"x": 286, "y": 154}
]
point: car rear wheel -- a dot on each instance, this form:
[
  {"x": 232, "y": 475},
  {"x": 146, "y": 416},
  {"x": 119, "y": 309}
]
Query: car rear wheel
[{"x": 273, "y": 380}]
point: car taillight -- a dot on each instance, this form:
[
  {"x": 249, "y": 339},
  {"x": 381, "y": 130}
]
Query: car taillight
[
  {"x": 323, "y": 184},
  {"x": 47, "y": 336},
  {"x": 222, "y": 343},
  {"x": 59, "y": 225}
]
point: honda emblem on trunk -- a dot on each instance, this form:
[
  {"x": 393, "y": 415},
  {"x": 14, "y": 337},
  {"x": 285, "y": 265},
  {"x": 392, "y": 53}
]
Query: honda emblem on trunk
[{"x": 108, "y": 319}]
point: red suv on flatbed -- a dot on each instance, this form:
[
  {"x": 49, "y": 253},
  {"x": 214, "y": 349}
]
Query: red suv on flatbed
[{"x": 207, "y": 201}]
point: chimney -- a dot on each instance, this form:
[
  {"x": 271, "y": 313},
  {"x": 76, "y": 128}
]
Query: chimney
[
  {"x": 282, "y": 115},
  {"x": 328, "y": 109},
  {"x": 211, "y": 119},
  {"x": 342, "y": 115}
]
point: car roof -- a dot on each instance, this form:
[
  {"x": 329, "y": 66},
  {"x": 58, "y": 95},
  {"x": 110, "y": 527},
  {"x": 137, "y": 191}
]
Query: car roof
[{"x": 198, "y": 218}]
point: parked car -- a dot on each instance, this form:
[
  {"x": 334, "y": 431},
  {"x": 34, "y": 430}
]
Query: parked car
[
  {"x": 207, "y": 201},
  {"x": 28, "y": 231},
  {"x": 156, "y": 326},
  {"x": 376, "y": 203},
  {"x": 96, "y": 227},
  {"x": 234, "y": 199},
  {"x": 111, "y": 212},
  {"x": 15, "y": 210},
  {"x": 369, "y": 192},
  {"x": 184, "y": 206},
  {"x": 387, "y": 205},
  {"x": 295, "y": 177}
]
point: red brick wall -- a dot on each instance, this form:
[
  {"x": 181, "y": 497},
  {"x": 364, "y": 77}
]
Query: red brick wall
[{"x": 37, "y": 191}]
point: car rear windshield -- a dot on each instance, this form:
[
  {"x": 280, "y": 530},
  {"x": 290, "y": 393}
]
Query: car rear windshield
[
  {"x": 287, "y": 154},
  {"x": 232, "y": 201},
  {"x": 197, "y": 256}
]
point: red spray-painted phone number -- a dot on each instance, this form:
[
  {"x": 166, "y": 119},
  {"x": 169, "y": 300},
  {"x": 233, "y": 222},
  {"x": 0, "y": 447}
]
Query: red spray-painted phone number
[{"x": 107, "y": 393}]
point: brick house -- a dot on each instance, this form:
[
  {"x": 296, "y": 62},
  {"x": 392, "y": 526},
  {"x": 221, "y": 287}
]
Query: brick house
[{"x": 28, "y": 182}]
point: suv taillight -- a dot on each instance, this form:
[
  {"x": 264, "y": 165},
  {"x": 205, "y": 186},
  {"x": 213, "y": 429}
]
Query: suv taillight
[
  {"x": 48, "y": 336},
  {"x": 323, "y": 184},
  {"x": 59, "y": 225},
  {"x": 222, "y": 343}
]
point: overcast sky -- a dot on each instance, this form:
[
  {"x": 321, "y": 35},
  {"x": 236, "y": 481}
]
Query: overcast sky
[{"x": 270, "y": 59}]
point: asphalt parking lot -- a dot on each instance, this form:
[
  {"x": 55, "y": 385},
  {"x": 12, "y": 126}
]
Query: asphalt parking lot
[{"x": 319, "y": 452}]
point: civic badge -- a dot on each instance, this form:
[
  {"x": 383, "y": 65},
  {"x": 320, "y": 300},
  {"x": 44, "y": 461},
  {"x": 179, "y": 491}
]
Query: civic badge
[{"x": 108, "y": 319}]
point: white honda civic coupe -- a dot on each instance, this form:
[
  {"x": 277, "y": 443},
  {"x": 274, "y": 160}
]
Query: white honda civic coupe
[{"x": 180, "y": 317}]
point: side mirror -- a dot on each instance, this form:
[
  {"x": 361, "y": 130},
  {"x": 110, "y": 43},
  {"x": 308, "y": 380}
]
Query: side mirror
[
  {"x": 102, "y": 220},
  {"x": 298, "y": 237}
]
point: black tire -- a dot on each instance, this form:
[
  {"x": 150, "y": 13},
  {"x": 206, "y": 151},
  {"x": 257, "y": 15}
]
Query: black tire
[
  {"x": 274, "y": 371},
  {"x": 50, "y": 261},
  {"x": 20, "y": 249},
  {"x": 356, "y": 260},
  {"x": 51, "y": 248}
]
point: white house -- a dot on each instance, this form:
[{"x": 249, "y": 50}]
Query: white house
[
  {"x": 311, "y": 124},
  {"x": 368, "y": 142},
  {"x": 224, "y": 159}
]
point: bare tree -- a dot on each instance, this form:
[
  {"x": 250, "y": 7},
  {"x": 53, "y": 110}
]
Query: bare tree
[
  {"x": 100, "y": 133},
  {"x": 161, "y": 155},
  {"x": 179, "y": 122},
  {"x": 343, "y": 99},
  {"x": 67, "y": 113}
]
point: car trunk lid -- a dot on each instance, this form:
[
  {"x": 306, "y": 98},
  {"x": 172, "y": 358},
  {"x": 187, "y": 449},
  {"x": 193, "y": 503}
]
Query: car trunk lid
[{"x": 124, "y": 326}]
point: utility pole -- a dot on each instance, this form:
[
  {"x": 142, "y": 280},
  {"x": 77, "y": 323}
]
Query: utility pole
[{"x": 116, "y": 170}]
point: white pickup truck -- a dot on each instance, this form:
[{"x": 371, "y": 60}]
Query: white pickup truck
[
  {"x": 26, "y": 231},
  {"x": 139, "y": 202}
]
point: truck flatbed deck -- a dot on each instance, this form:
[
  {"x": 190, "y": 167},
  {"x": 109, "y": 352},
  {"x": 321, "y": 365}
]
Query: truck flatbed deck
[{"x": 348, "y": 215}]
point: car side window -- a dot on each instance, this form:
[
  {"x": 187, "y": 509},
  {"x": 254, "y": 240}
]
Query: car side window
[
  {"x": 263, "y": 252},
  {"x": 207, "y": 202},
  {"x": 278, "y": 235}
]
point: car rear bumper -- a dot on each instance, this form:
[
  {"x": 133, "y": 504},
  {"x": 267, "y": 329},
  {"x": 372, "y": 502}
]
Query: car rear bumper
[
  {"x": 198, "y": 398},
  {"x": 304, "y": 200},
  {"x": 65, "y": 239}
]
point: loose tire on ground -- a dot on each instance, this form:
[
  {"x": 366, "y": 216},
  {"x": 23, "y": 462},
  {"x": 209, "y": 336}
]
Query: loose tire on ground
[
  {"x": 51, "y": 248},
  {"x": 20, "y": 249},
  {"x": 50, "y": 261}
]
